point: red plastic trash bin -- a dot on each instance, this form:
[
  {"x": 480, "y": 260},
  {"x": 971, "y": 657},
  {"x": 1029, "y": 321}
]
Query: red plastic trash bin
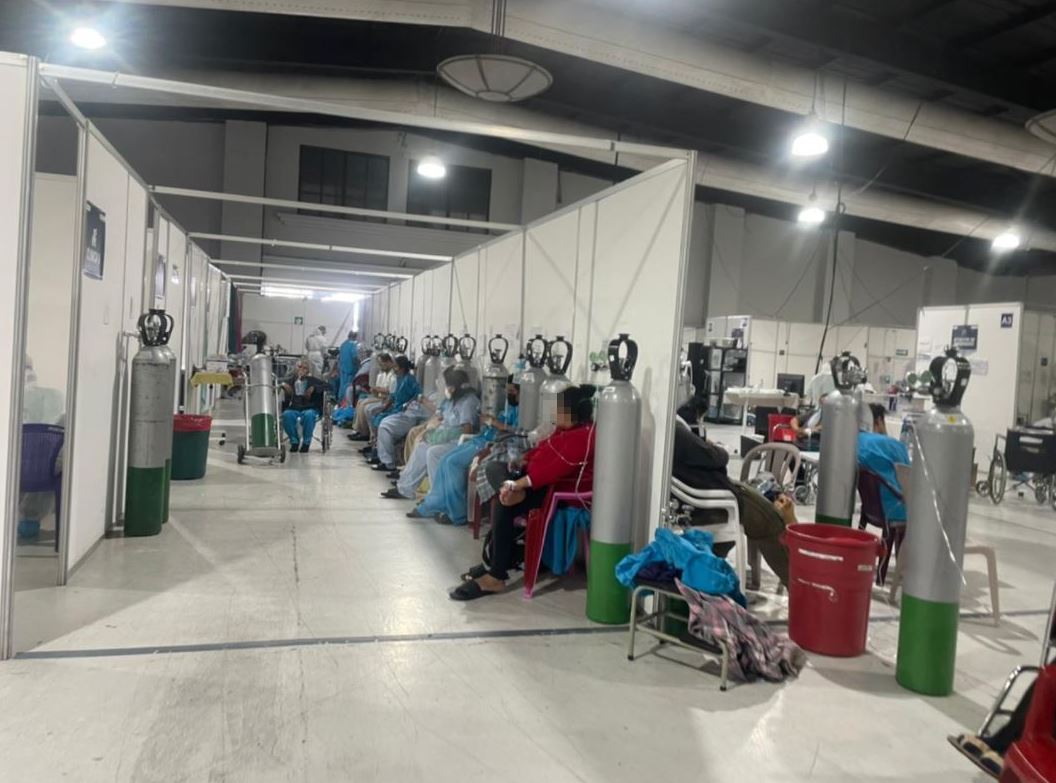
[{"x": 831, "y": 573}]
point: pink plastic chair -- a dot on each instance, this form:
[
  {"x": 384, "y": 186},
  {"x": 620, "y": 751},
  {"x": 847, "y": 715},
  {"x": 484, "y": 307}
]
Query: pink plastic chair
[{"x": 539, "y": 523}]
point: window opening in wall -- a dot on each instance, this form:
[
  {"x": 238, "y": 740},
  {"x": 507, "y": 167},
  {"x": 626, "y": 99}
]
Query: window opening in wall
[
  {"x": 346, "y": 179},
  {"x": 465, "y": 193}
]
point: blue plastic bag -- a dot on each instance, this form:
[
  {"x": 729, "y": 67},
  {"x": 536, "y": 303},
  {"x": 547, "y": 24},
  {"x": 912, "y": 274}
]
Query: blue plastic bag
[{"x": 691, "y": 553}]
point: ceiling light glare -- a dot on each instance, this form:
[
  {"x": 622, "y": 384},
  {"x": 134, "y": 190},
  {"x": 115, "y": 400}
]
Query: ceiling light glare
[
  {"x": 87, "y": 38},
  {"x": 431, "y": 168},
  {"x": 342, "y": 297},
  {"x": 1006, "y": 241},
  {"x": 809, "y": 144},
  {"x": 811, "y": 216},
  {"x": 285, "y": 292}
]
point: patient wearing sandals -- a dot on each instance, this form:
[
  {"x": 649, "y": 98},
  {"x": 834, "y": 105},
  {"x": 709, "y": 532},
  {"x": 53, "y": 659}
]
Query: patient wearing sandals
[{"x": 567, "y": 455}]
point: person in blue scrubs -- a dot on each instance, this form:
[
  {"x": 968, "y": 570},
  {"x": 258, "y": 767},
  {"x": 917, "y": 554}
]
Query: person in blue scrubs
[
  {"x": 448, "y": 488},
  {"x": 304, "y": 406},
  {"x": 879, "y": 453},
  {"x": 348, "y": 363}
]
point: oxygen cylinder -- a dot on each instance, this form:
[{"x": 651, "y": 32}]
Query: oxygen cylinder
[
  {"x": 840, "y": 422},
  {"x": 558, "y": 358},
  {"x": 941, "y": 449},
  {"x": 150, "y": 426},
  {"x": 263, "y": 416},
  {"x": 448, "y": 352},
  {"x": 399, "y": 345},
  {"x": 431, "y": 365},
  {"x": 616, "y": 453},
  {"x": 467, "y": 346},
  {"x": 419, "y": 366},
  {"x": 531, "y": 379},
  {"x": 493, "y": 391},
  {"x": 379, "y": 346},
  {"x": 164, "y": 333}
]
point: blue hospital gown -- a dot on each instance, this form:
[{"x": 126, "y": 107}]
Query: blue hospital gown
[{"x": 448, "y": 487}]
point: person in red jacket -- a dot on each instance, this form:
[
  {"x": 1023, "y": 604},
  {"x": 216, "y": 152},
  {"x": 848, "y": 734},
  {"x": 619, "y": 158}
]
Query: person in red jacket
[{"x": 567, "y": 455}]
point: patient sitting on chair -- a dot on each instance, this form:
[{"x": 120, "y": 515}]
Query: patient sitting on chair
[
  {"x": 702, "y": 465},
  {"x": 303, "y": 405}
]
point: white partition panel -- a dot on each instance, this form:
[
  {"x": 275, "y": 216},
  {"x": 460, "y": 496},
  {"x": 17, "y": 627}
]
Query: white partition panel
[
  {"x": 176, "y": 269},
  {"x": 383, "y": 311},
  {"x": 581, "y": 364},
  {"x": 425, "y": 282},
  {"x": 48, "y": 301},
  {"x": 637, "y": 260},
  {"x": 418, "y": 316},
  {"x": 103, "y": 306},
  {"x": 466, "y": 273},
  {"x": 18, "y": 94},
  {"x": 500, "y": 290},
  {"x": 406, "y": 308},
  {"x": 441, "y": 310},
  {"x": 551, "y": 253}
]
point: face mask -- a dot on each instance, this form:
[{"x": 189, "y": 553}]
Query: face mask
[{"x": 449, "y": 392}]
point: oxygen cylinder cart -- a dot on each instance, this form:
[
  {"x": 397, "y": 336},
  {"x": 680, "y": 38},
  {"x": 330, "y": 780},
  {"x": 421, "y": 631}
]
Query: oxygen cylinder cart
[
  {"x": 493, "y": 391},
  {"x": 558, "y": 359},
  {"x": 150, "y": 427},
  {"x": 841, "y": 418},
  {"x": 531, "y": 380},
  {"x": 616, "y": 453},
  {"x": 467, "y": 346},
  {"x": 261, "y": 405},
  {"x": 941, "y": 449}
]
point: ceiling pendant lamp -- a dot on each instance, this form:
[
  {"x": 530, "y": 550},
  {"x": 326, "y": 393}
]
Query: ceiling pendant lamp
[{"x": 498, "y": 78}]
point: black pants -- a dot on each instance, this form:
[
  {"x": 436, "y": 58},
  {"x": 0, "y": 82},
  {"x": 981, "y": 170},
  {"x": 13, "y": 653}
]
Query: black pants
[{"x": 502, "y": 532}]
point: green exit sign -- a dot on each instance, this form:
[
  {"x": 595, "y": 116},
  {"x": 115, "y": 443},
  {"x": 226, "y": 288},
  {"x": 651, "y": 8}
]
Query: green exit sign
[{"x": 298, "y": 320}]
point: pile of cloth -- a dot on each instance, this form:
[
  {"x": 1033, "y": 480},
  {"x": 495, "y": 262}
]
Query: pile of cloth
[{"x": 717, "y": 608}]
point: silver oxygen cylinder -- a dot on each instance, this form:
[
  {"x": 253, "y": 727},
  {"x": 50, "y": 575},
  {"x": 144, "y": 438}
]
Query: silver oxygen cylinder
[
  {"x": 431, "y": 365},
  {"x": 558, "y": 358},
  {"x": 467, "y": 346},
  {"x": 448, "y": 352},
  {"x": 941, "y": 450},
  {"x": 616, "y": 468},
  {"x": 493, "y": 391},
  {"x": 531, "y": 381},
  {"x": 419, "y": 366},
  {"x": 150, "y": 427},
  {"x": 840, "y": 424},
  {"x": 263, "y": 414}
]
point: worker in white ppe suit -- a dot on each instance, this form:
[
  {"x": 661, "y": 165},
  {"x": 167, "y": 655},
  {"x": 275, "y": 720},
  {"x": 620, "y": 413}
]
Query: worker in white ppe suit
[{"x": 316, "y": 346}]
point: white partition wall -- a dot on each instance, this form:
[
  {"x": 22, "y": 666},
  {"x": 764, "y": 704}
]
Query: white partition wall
[
  {"x": 500, "y": 292},
  {"x": 440, "y": 317},
  {"x": 107, "y": 307},
  {"x": 464, "y": 286},
  {"x": 550, "y": 275},
  {"x": 637, "y": 257},
  {"x": 406, "y": 308},
  {"x": 17, "y": 132}
]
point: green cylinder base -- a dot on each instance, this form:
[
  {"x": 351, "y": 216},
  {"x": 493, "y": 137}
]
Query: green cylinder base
[
  {"x": 827, "y": 520},
  {"x": 607, "y": 600},
  {"x": 262, "y": 432},
  {"x": 144, "y": 500},
  {"x": 927, "y": 646},
  {"x": 190, "y": 454},
  {"x": 165, "y": 492}
]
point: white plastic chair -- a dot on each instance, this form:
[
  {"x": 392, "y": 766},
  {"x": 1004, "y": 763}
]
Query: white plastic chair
[{"x": 728, "y": 532}]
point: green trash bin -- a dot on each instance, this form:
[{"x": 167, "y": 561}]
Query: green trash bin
[{"x": 190, "y": 445}]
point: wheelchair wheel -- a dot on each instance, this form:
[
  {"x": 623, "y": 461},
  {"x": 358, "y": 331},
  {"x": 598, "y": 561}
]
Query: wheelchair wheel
[
  {"x": 1042, "y": 487},
  {"x": 801, "y": 494},
  {"x": 997, "y": 478},
  {"x": 241, "y": 454},
  {"x": 983, "y": 488},
  {"x": 282, "y": 454}
]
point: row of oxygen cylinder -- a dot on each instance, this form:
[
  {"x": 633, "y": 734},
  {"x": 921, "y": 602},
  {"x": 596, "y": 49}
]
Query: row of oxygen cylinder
[{"x": 941, "y": 451}]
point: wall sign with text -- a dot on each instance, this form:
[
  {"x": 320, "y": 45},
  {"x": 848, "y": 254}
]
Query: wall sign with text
[
  {"x": 965, "y": 337},
  {"x": 94, "y": 242}
]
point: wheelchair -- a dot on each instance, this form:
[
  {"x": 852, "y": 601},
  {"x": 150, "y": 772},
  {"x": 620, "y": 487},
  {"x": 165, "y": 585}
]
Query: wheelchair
[
  {"x": 1028, "y": 456},
  {"x": 324, "y": 426}
]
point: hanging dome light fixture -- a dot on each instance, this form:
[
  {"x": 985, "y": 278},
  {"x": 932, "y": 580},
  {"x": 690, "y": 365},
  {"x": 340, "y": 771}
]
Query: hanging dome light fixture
[{"x": 498, "y": 78}]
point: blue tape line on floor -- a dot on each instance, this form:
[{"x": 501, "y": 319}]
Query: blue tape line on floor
[{"x": 442, "y": 636}]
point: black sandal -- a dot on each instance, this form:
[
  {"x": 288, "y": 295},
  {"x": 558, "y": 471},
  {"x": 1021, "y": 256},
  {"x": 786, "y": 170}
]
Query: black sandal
[
  {"x": 476, "y": 572},
  {"x": 471, "y": 591}
]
